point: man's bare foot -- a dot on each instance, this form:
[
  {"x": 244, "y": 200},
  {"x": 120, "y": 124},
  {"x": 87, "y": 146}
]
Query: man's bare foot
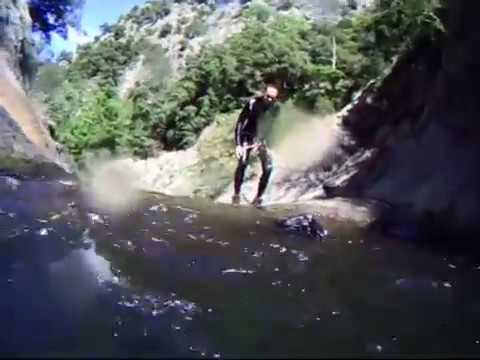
[{"x": 236, "y": 200}]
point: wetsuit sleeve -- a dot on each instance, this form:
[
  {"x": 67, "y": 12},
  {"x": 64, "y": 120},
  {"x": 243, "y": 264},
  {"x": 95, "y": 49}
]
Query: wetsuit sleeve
[{"x": 242, "y": 118}]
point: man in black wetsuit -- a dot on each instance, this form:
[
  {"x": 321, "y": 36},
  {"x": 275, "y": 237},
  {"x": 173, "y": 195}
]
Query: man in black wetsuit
[{"x": 251, "y": 133}]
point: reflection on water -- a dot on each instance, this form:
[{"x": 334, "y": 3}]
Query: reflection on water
[
  {"x": 178, "y": 277},
  {"x": 76, "y": 277}
]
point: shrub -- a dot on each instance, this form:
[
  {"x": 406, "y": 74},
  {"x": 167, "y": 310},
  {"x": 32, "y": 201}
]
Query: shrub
[
  {"x": 259, "y": 10},
  {"x": 103, "y": 121}
]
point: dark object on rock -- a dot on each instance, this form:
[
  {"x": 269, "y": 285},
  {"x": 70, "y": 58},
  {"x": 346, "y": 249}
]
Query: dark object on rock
[{"x": 305, "y": 224}]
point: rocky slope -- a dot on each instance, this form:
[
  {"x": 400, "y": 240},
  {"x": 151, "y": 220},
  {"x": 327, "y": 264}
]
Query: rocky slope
[{"x": 15, "y": 35}]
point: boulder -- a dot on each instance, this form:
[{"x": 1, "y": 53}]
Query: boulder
[{"x": 304, "y": 224}]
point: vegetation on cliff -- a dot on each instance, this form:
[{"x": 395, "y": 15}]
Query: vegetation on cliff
[{"x": 319, "y": 66}]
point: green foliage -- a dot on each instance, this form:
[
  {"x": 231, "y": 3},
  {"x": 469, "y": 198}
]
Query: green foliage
[
  {"x": 216, "y": 161},
  {"x": 104, "y": 61},
  {"x": 317, "y": 65},
  {"x": 102, "y": 121},
  {"x": 66, "y": 102},
  {"x": 222, "y": 76},
  {"x": 258, "y": 10},
  {"x": 395, "y": 25},
  {"x": 319, "y": 75},
  {"x": 149, "y": 14}
]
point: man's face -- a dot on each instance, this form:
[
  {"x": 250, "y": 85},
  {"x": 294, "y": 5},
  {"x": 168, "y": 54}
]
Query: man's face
[{"x": 271, "y": 94}]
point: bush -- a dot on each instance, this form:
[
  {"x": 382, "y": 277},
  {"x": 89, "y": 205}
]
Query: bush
[
  {"x": 103, "y": 121},
  {"x": 394, "y": 26},
  {"x": 104, "y": 61},
  {"x": 260, "y": 11}
]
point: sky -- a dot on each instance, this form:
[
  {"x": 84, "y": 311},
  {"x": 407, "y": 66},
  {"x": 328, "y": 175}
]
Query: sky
[{"x": 95, "y": 13}]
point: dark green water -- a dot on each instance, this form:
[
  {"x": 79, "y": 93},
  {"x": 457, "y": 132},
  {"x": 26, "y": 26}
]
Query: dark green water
[{"x": 185, "y": 278}]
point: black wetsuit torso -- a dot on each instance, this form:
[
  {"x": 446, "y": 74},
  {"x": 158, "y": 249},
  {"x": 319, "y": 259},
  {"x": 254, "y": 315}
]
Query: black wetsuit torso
[{"x": 255, "y": 121}]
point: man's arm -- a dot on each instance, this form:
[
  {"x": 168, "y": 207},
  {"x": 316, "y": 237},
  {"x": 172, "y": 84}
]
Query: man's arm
[{"x": 242, "y": 119}]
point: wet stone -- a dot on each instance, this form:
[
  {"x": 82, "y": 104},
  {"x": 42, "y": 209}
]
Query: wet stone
[{"x": 305, "y": 225}]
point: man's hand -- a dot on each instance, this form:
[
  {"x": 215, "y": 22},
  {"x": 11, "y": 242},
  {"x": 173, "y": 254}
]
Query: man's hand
[{"x": 239, "y": 151}]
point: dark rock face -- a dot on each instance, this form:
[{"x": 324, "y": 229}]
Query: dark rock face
[
  {"x": 25, "y": 146},
  {"x": 13, "y": 142},
  {"x": 18, "y": 155},
  {"x": 421, "y": 124},
  {"x": 303, "y": 224}
]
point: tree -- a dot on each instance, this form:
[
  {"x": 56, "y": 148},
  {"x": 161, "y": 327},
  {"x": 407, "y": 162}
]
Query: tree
[{"x": 50, "y": 16}]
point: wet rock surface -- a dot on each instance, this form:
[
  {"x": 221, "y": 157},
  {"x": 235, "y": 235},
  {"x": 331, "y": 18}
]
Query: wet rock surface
[{"x": 187, "y": 278}]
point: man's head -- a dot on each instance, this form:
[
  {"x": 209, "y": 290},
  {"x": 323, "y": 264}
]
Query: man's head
[{"x": 271, "y": 94}]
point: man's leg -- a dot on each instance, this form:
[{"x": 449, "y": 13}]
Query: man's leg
[
  {"x": 267, "y": 168},
  {"x": 239, "y": 177}
]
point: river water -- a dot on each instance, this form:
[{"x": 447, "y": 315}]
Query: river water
[{"x": 188, "y": 278}]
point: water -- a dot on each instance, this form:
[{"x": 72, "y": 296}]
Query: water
[{"x": 187, "y": 278}]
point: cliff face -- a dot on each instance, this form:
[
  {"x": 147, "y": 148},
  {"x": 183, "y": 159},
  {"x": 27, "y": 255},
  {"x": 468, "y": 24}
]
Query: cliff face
[
  {"x": 421, "y": 126},
  {"x": 16, "y": 42},
  {"x": 23, "y": 136}
]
